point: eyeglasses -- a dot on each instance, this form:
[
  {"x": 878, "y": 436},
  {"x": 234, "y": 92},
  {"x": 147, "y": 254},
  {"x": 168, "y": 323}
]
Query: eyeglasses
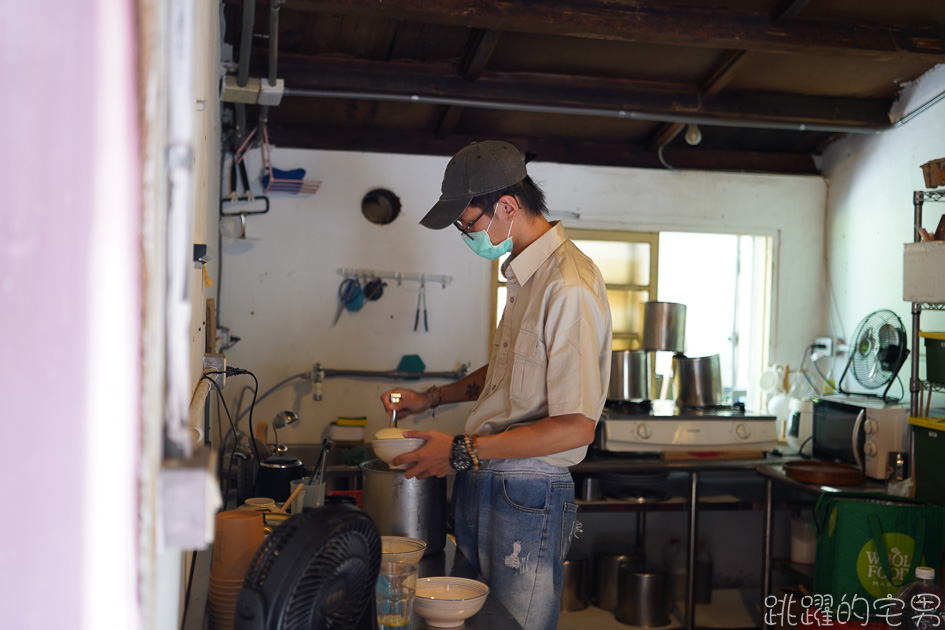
[{"x": 465, "y": 230}]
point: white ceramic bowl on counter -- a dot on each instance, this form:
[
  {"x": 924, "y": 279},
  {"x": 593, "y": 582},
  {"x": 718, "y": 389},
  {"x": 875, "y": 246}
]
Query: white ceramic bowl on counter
[
  {"x": 388, "y": 449},
  {"x": 446, "y": 602}
]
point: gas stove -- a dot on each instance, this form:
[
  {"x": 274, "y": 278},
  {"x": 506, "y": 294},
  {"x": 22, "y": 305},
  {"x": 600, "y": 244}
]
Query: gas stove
[{"x": 649, "y": 427}]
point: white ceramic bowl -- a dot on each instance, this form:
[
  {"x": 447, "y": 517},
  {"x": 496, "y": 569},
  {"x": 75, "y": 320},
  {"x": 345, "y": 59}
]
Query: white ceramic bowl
[
  {"x": 446, "y": 602},
  {"x": 402, "y": 549},
  {"x": 388, "y": 449}
]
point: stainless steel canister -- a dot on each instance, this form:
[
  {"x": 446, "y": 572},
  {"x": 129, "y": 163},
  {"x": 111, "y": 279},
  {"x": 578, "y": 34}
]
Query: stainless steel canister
[
  {"x": 628, "y": 376},
  {"x": 664, "y": 326},
  {"x": 698, "y": 381},
  {"x": 574, "y": 591},
  {"x": 415, "y": 508},
  {"x": 608, "y": 572},
  {"x": 644, "y": 599}
]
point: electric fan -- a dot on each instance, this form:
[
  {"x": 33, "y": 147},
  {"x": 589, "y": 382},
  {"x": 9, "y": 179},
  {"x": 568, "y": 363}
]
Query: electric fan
[
  {"x": 878, "y": 351},
  {"x": 317, "y": 570}
]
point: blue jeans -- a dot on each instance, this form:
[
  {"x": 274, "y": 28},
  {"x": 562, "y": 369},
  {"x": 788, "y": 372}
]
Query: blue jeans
[{"x": 513, "y": 521}]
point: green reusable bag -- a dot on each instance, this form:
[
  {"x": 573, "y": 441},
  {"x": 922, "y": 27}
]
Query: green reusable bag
[{"x": 869, "y": 545}]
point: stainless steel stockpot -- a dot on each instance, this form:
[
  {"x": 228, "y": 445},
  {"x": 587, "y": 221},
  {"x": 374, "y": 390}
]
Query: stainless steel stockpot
[
  {"x": 698, "y": 381},
  {"x": 664, "y": 326},
  {"x": 628, "y": 376},
  {"x": 415, "y": 508}
]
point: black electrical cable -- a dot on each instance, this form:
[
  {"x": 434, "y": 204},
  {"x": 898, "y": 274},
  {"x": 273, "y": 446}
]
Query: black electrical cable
[
  {"x": 239, "y": 403},
  {"x": 190, "y": 583},
  {"x": 817, "y": 367},
  {"x": 800, "y": 449},
  {"x": 224, "y": 489},
  {"x": 804, "y": 358}
]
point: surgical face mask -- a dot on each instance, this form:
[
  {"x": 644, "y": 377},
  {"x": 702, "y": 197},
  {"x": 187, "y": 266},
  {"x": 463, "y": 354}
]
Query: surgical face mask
[{"x": 482, "y": 245}]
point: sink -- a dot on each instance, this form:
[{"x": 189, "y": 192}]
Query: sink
[{"x": 339, "y": 475}]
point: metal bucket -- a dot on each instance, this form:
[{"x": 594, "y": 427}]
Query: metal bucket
[
  {"x": 698, "y": 381},
  {"x": 644, "y": 598},
  {"x": 608, "y": 572},
  {"x": 574, "y": 591},
  {"x": 664, "y": 326},
  {"x": 415, "y": 508},
  {"x": 628, "y": 376}
]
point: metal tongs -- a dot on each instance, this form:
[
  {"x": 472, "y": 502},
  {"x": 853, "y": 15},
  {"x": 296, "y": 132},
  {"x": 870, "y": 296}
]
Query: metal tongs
[
  {"x": 321, "y": 464},
  {"x": 394, "y": 398}
]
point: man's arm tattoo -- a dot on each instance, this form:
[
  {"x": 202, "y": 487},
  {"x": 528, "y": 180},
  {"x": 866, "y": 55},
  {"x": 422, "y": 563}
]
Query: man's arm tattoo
[{"x": 472, "y": 391}]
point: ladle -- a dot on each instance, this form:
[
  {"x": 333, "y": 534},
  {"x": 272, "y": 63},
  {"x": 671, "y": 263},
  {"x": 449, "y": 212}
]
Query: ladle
[{"x": 394, "y": 398}]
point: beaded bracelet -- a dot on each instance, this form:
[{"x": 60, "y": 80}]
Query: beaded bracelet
[
  {"x": 472, "y": 449},
  {"x": 436, "y": 396}
]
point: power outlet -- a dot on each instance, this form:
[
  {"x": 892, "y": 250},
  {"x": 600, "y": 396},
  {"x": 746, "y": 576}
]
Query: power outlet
[
  {"x": 216, "y": 363},
  {"x": 824, "y": 345}
]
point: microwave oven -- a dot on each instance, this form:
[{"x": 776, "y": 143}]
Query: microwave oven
[{"x": 860, "y": 431}]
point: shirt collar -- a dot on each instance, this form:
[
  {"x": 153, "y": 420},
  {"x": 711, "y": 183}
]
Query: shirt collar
[{"x": 525, "y": 264}]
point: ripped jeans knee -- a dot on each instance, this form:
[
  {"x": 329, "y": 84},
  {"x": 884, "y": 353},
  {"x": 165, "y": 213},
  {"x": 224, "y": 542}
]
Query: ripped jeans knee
[{"x": 516, "y": 527}]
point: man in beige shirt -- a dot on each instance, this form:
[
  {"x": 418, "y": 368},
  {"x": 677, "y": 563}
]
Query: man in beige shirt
[{"x": 538, "y": 399}]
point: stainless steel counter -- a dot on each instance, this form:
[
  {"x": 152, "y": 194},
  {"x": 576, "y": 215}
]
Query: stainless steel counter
[
  {"x": 601, "y": 463},
  {"x": 774, "y": 474}
]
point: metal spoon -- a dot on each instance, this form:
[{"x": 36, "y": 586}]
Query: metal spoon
[{"x": 394, "y": 398}]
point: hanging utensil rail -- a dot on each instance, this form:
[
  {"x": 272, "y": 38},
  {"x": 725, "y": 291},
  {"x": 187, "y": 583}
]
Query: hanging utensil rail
[{"x": 399, "y": 276}]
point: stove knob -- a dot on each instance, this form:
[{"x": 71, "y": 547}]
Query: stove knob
[
  {"x": 644, "y": 432},
  {"x": 870, "y": 448},
  {"x": 870, "y": 426},
  {"x": 742, "y": 431}
]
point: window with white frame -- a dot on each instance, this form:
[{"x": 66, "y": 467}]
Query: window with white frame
[{"x": 723, "y": 279}]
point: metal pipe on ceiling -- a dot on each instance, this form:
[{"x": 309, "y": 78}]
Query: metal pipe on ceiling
[{"x": 605, "y": 112}]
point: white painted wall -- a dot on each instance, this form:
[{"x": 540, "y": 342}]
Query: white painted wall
[
  {"x": 870, "y": 212},
  {"x": 279, "y": 290}
]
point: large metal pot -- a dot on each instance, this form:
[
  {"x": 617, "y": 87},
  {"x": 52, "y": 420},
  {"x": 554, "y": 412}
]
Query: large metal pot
[
  {"x": 698, "y": 381},
  {"x": 415, "y": 508},
  {"x": 664, "y": 326},
  {"x": 628, "y": 376}
]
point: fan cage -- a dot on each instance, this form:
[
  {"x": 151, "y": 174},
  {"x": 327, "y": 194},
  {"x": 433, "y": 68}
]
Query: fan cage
[
  {"x": 310, "y": 570},
  {"x": 879, "y": 345}
]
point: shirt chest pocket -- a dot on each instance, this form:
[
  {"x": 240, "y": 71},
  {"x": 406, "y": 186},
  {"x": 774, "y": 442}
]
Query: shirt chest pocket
[{"x": 528, "y": 367}]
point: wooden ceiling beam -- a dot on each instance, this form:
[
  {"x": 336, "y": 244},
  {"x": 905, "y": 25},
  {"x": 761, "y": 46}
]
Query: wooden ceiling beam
[
  {"x": 660, "y": 23},
  {"x": 482, "y": 43},
  {"x": 784, "y": 11},
  {"x": 724, "y": 71},
  {"x": 338, "y": 78},
  {"x": 565, "y": 152},
  {"x": 479, "y": 50}
]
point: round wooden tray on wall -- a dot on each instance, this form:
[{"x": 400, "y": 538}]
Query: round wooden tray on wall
[{"x": 825, "y": 473}]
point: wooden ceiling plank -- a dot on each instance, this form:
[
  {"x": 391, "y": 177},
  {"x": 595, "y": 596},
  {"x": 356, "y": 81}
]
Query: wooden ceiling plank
[
  {"x": 663, "y": 135},
  {"x": 724, "y": 71},
  {"x": 448, "y": 122},
  {"x": 482, "y": 43},
  {"x": 658, "y": 23},
  {"x": 541, "y": 93},
  {"x": 566, "y": 152},
  {"x": 784, "y": 11}
]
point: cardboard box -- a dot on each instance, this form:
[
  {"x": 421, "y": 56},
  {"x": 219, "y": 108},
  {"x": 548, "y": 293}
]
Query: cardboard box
[{"x": 923, "y": 272}]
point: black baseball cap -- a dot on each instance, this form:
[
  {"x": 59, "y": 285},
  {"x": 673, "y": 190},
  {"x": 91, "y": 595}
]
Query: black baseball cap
[{"x": 480, "y": 168}]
